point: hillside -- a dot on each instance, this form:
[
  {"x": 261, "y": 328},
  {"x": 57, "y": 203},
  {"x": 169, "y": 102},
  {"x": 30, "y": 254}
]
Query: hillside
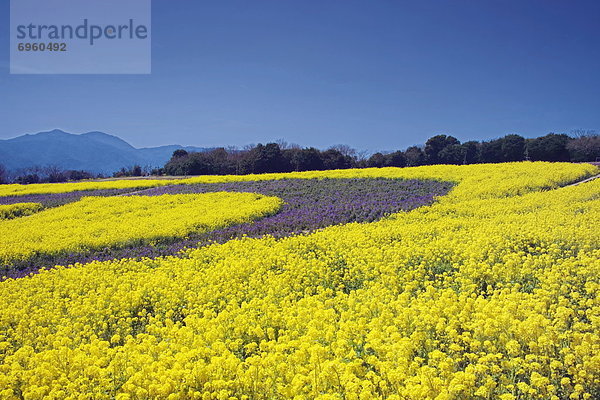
[{"x": 95, "y": 152}]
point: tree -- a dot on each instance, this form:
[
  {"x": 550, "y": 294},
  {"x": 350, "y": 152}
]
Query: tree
[
  {"x": 585, "y": 147},
  {"x": 491, "y": 151},
  {"x": 346, "y": 150},
  {"x": 470, "y": 152},
  {"x": 308, "y": 159},
  {"x": 578, "y": 133},
  {"x": 178, "y": 164},
  {"x": 135, "y": 170},
  {"x": 179, "y": 153},
  {"x": 395, "y": 159},
  {"x": 435, "y": 145},
  {"x": 513, "y": 148},
  {"x": 552, "y": 147},
  {"x": 3, "y": 174},
  {"x": 334, "y": 159},
  {"x": 377, "y": 160},
  {"x": 414, "y": 156},
  {"x": 27, "y": 179},
  {"x": 217, "y": 161},
  {"x": 452, "y": 154},
  {"x": 199, "y": 164},
  {"x": 269, "y": 158},
  {"x": 78, "y": 175},
  {"x": 189, "y": 164}
]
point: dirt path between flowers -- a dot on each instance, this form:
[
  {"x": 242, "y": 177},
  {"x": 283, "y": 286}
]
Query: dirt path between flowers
[{"x": 591, "y": 178}]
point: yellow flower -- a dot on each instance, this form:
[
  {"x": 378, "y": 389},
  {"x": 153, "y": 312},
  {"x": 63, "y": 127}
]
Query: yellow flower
[{"x": 438, "y": 296}]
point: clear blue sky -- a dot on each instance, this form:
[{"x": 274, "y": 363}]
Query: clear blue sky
[{"x": 377, "y": 75}]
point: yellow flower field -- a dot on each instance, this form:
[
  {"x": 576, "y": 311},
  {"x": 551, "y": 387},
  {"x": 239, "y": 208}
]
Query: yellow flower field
[
  {"x": 44, "y": 188},
  {"x": 94, "y": 222},
  {"x": 493, "y": 292},
  {"x": 524, "y": 177}
]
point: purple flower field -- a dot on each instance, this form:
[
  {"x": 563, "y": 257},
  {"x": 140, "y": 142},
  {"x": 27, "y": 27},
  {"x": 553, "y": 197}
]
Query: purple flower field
[
  {"x": 317, "y": 203},
  {"x": 310, "y": 204}
]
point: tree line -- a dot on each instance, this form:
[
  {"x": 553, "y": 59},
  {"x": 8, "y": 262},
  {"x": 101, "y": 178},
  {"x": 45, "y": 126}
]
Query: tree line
[
  {"x": 439, "y": 149},
  {"x": 581, "y": 146},
  {"x": 47, "y": 174}
]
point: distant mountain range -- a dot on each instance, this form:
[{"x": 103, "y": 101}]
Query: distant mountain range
[{"x": 95, "y": 152}]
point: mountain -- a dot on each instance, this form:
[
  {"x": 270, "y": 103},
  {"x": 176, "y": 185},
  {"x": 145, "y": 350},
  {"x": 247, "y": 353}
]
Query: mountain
[{"x": 95, "y": 152}]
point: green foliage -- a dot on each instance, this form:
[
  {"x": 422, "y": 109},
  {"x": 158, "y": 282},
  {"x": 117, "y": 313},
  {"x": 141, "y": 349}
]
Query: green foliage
[
  {"x": 551, "y": 147},
  {"x": 439, "y": 149},
  {"x": 435, "y": 145}
]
